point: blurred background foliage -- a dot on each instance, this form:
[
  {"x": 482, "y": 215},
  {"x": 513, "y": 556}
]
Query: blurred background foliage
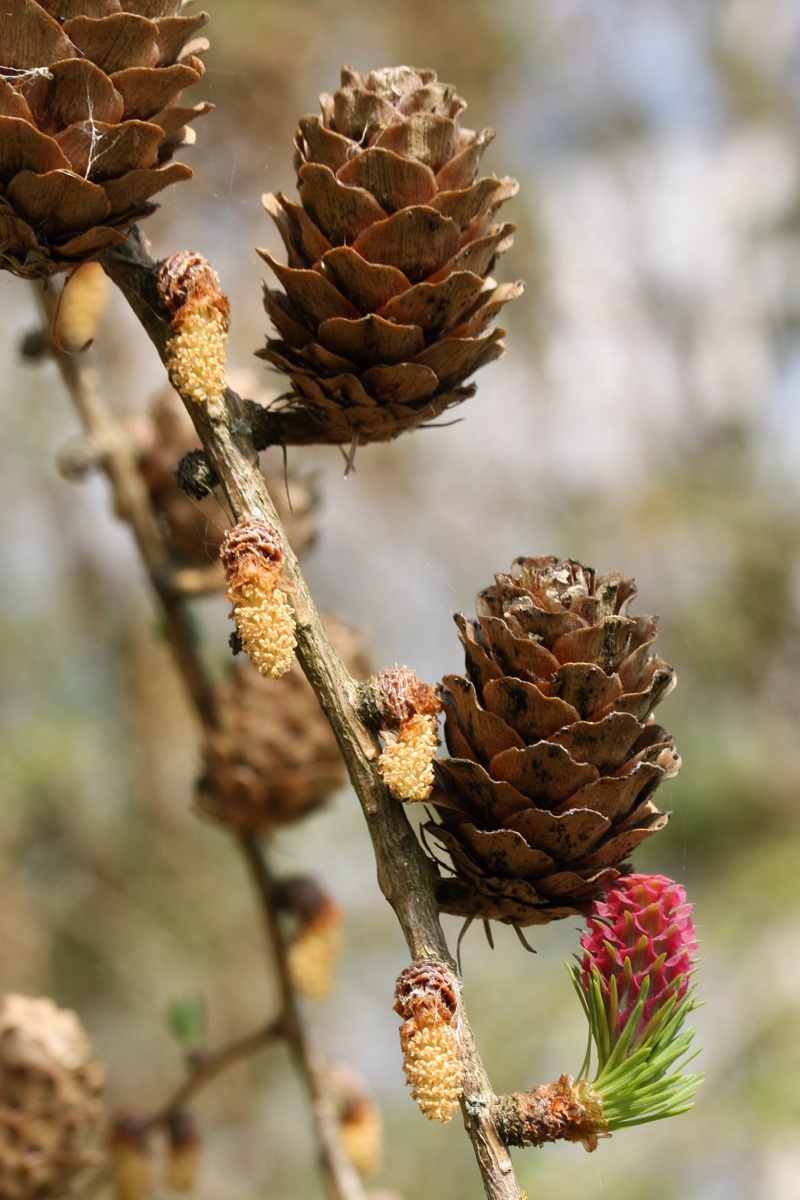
[{"x": 645, "y": 419}]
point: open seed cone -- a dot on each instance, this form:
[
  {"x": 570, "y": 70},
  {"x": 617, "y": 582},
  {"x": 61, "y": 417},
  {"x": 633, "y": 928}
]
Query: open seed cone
[
  {"x": 389, "y": 300},
  {"x": 89, "y": 118},
  {"x": 555, "y": 755}
]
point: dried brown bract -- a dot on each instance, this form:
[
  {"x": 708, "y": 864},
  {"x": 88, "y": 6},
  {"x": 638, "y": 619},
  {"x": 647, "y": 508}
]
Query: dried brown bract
[{"x": 400, "y": 695}]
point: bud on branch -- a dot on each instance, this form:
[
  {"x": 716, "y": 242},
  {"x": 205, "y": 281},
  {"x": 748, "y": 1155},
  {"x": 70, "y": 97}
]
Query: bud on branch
[
  {"x": 200, "y": 316},
  {"x": 252, "y": 556}
]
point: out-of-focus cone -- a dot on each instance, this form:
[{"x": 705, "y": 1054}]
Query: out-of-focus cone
[
  {"x": 50, "y": 1098},
  {"x": 131, "y": 1166},
  {"x": 313, "y": 952},
  {"x": 389, "y": 300},
  {"x": 274, "y": 758},
  {"x": 184, "y": 1145},
  {"x": 89, "y": 118},
  {"x": 194, "y": 527},
  {"x": 360, "y": 1125}
]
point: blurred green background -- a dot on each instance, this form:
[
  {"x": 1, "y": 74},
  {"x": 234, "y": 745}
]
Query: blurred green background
[{"x": 645, "y": 419}]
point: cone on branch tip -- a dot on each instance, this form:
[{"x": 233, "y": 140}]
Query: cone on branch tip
[
  {"x": 634, "y": 982},
  {"x": 554, "y": 751},
  {"x": 313, "y": 950},
  {"x": 642, "y": 930},
  {"x": 131, "y": 1166},
  {"x": 388, "y": 299},
  {"x": 358, "y": 1117},
  {"x": 89, "y": 119}
]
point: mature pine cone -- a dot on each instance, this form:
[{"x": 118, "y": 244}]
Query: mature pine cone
[
  {"x": 50, "y": 1107},
  {"x": 555, "y": 754},
  {"x": 88, "y": 118},
  {"x": 388, "y": 292}
]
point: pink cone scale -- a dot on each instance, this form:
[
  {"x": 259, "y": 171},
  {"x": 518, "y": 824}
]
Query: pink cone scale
[{"x": 642, "y": 930}]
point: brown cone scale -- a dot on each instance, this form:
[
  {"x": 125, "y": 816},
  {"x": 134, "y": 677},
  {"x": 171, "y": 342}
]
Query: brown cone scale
[
  {"x": 388, "y": 302},
  {"x": 555, "y": 754},
  {"x": 89, "y": 119}
]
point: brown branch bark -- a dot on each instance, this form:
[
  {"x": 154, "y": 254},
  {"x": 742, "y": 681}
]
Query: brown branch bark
[
  {"x": 207, "y": 1067},
  {"x": 211, "y": 1063},
  {"x": 117, "y": 457},
  {"x": 566, "y": 1110},
  {"x": 342, "y": 1179},
  {"x": 405, "y": 875}
]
